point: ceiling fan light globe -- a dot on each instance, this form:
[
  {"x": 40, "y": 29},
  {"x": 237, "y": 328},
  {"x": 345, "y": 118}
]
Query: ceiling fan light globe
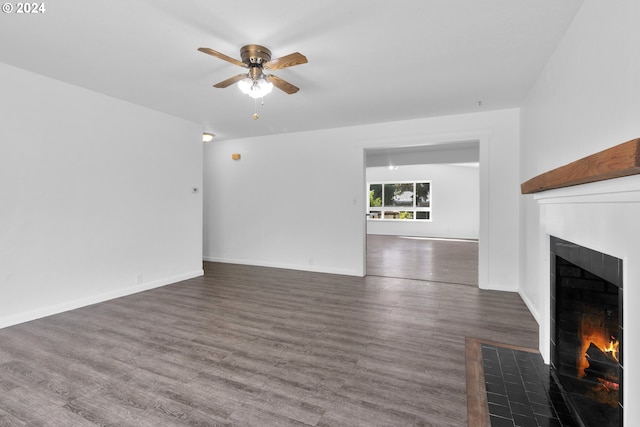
[
  {"x": 245, "y": 85},
  {"x": 255, "y": 88},
  {"x": 261, "y": 88}
]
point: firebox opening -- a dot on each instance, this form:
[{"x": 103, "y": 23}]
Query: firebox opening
[{"x": 586, "y": 335}]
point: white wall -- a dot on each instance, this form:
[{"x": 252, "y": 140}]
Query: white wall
[
  {"x": 297, "y": 201},
  {"x": 585, "y": 100},
  {"x": 96, "y": 197},
  {"x": 463, "y": 152},
  {"x": 455, "y": 200}
]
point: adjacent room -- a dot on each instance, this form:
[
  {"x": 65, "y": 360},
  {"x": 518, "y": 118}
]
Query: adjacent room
[
  {"x": 423, "y": 212},
  {"x": 360, "y": 213}
]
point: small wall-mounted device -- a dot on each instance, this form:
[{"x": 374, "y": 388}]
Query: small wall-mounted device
[{"x": 235, "y": 156}]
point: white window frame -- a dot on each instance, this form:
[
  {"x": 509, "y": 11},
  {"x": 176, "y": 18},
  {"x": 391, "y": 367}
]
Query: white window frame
[{"x": 393, "y": 213}]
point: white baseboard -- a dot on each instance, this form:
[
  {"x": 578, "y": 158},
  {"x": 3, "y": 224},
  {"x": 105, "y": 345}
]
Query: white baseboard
[
  {"x": 530, "y": 306},
  {"x": 94, "y": 299}
]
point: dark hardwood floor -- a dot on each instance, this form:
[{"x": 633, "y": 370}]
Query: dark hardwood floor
[
  {"x": 436, "y": 260},
  {"x": 254, "y": 346}
]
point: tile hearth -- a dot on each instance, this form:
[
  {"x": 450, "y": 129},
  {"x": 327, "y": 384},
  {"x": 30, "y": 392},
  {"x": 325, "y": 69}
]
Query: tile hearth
[{"x": 521, "y": 391}]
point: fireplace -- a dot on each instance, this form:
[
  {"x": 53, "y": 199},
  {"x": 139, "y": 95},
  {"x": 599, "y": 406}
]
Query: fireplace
[{"x": 586, "y": 332}]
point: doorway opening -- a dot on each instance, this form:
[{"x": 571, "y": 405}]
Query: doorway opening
[{"x": 442, "y": 247}]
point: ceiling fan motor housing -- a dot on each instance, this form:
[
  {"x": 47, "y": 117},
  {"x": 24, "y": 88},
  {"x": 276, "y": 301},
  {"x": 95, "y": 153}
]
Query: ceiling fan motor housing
[{"x": 253, "y": 54}]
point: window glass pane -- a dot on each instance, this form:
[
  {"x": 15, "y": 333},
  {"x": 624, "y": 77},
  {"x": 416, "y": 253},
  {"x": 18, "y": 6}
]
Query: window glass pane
[
  {"x": 388, "y": 195},
  {"x": 423, "y": 190},
  {"x": 375, "y": 195},
  {"x": 375, "y": 214},
  {"x": 398, "y": 194},
  {"x": 406, "y": 214},
  {"x": 422, "y": 215},
  {"x": 398, "y": 214}
]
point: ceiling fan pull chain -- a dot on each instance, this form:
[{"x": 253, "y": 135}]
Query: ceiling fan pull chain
[{"x": 255, "y": 109}]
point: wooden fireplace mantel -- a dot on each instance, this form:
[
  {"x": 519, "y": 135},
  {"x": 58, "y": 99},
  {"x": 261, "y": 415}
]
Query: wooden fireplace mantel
[{"x": 615, "y": 162}]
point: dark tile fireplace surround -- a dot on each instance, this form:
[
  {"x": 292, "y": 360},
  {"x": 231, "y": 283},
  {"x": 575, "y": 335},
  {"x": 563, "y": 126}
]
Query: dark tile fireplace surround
[
  {"x": 582, "y": 387},
  {"x": 587, "y": 331}
]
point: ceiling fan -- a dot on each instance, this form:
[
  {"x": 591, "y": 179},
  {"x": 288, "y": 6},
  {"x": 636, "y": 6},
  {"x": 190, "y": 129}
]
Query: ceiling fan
[{"x": 257, "y": 59}]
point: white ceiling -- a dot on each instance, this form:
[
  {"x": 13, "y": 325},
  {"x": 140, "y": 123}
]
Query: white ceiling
[{"x": 369, "y": 60}]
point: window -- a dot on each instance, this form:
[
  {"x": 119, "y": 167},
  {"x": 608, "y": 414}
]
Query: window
[{"x": 400, "y": 201}]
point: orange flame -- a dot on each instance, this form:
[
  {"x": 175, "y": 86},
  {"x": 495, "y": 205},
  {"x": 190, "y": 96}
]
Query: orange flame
[
  {"x": 612, "y": 348},
  {"x": 592, "y": 331}
]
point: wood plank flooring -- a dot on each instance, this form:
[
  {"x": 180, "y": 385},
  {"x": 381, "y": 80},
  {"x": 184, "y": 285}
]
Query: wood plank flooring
[
  {"x": 254, "y": 346},
  {"x": 436, "y": 260}
]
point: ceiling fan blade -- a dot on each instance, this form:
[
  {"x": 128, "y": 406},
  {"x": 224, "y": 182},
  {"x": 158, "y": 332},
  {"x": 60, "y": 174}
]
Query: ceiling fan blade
[
  {"x": 290, "y": 60},
  {"x": 282, "y": 84},
  {"x": 221, "y": 56},
  {"x": 230, "y": 81}
]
